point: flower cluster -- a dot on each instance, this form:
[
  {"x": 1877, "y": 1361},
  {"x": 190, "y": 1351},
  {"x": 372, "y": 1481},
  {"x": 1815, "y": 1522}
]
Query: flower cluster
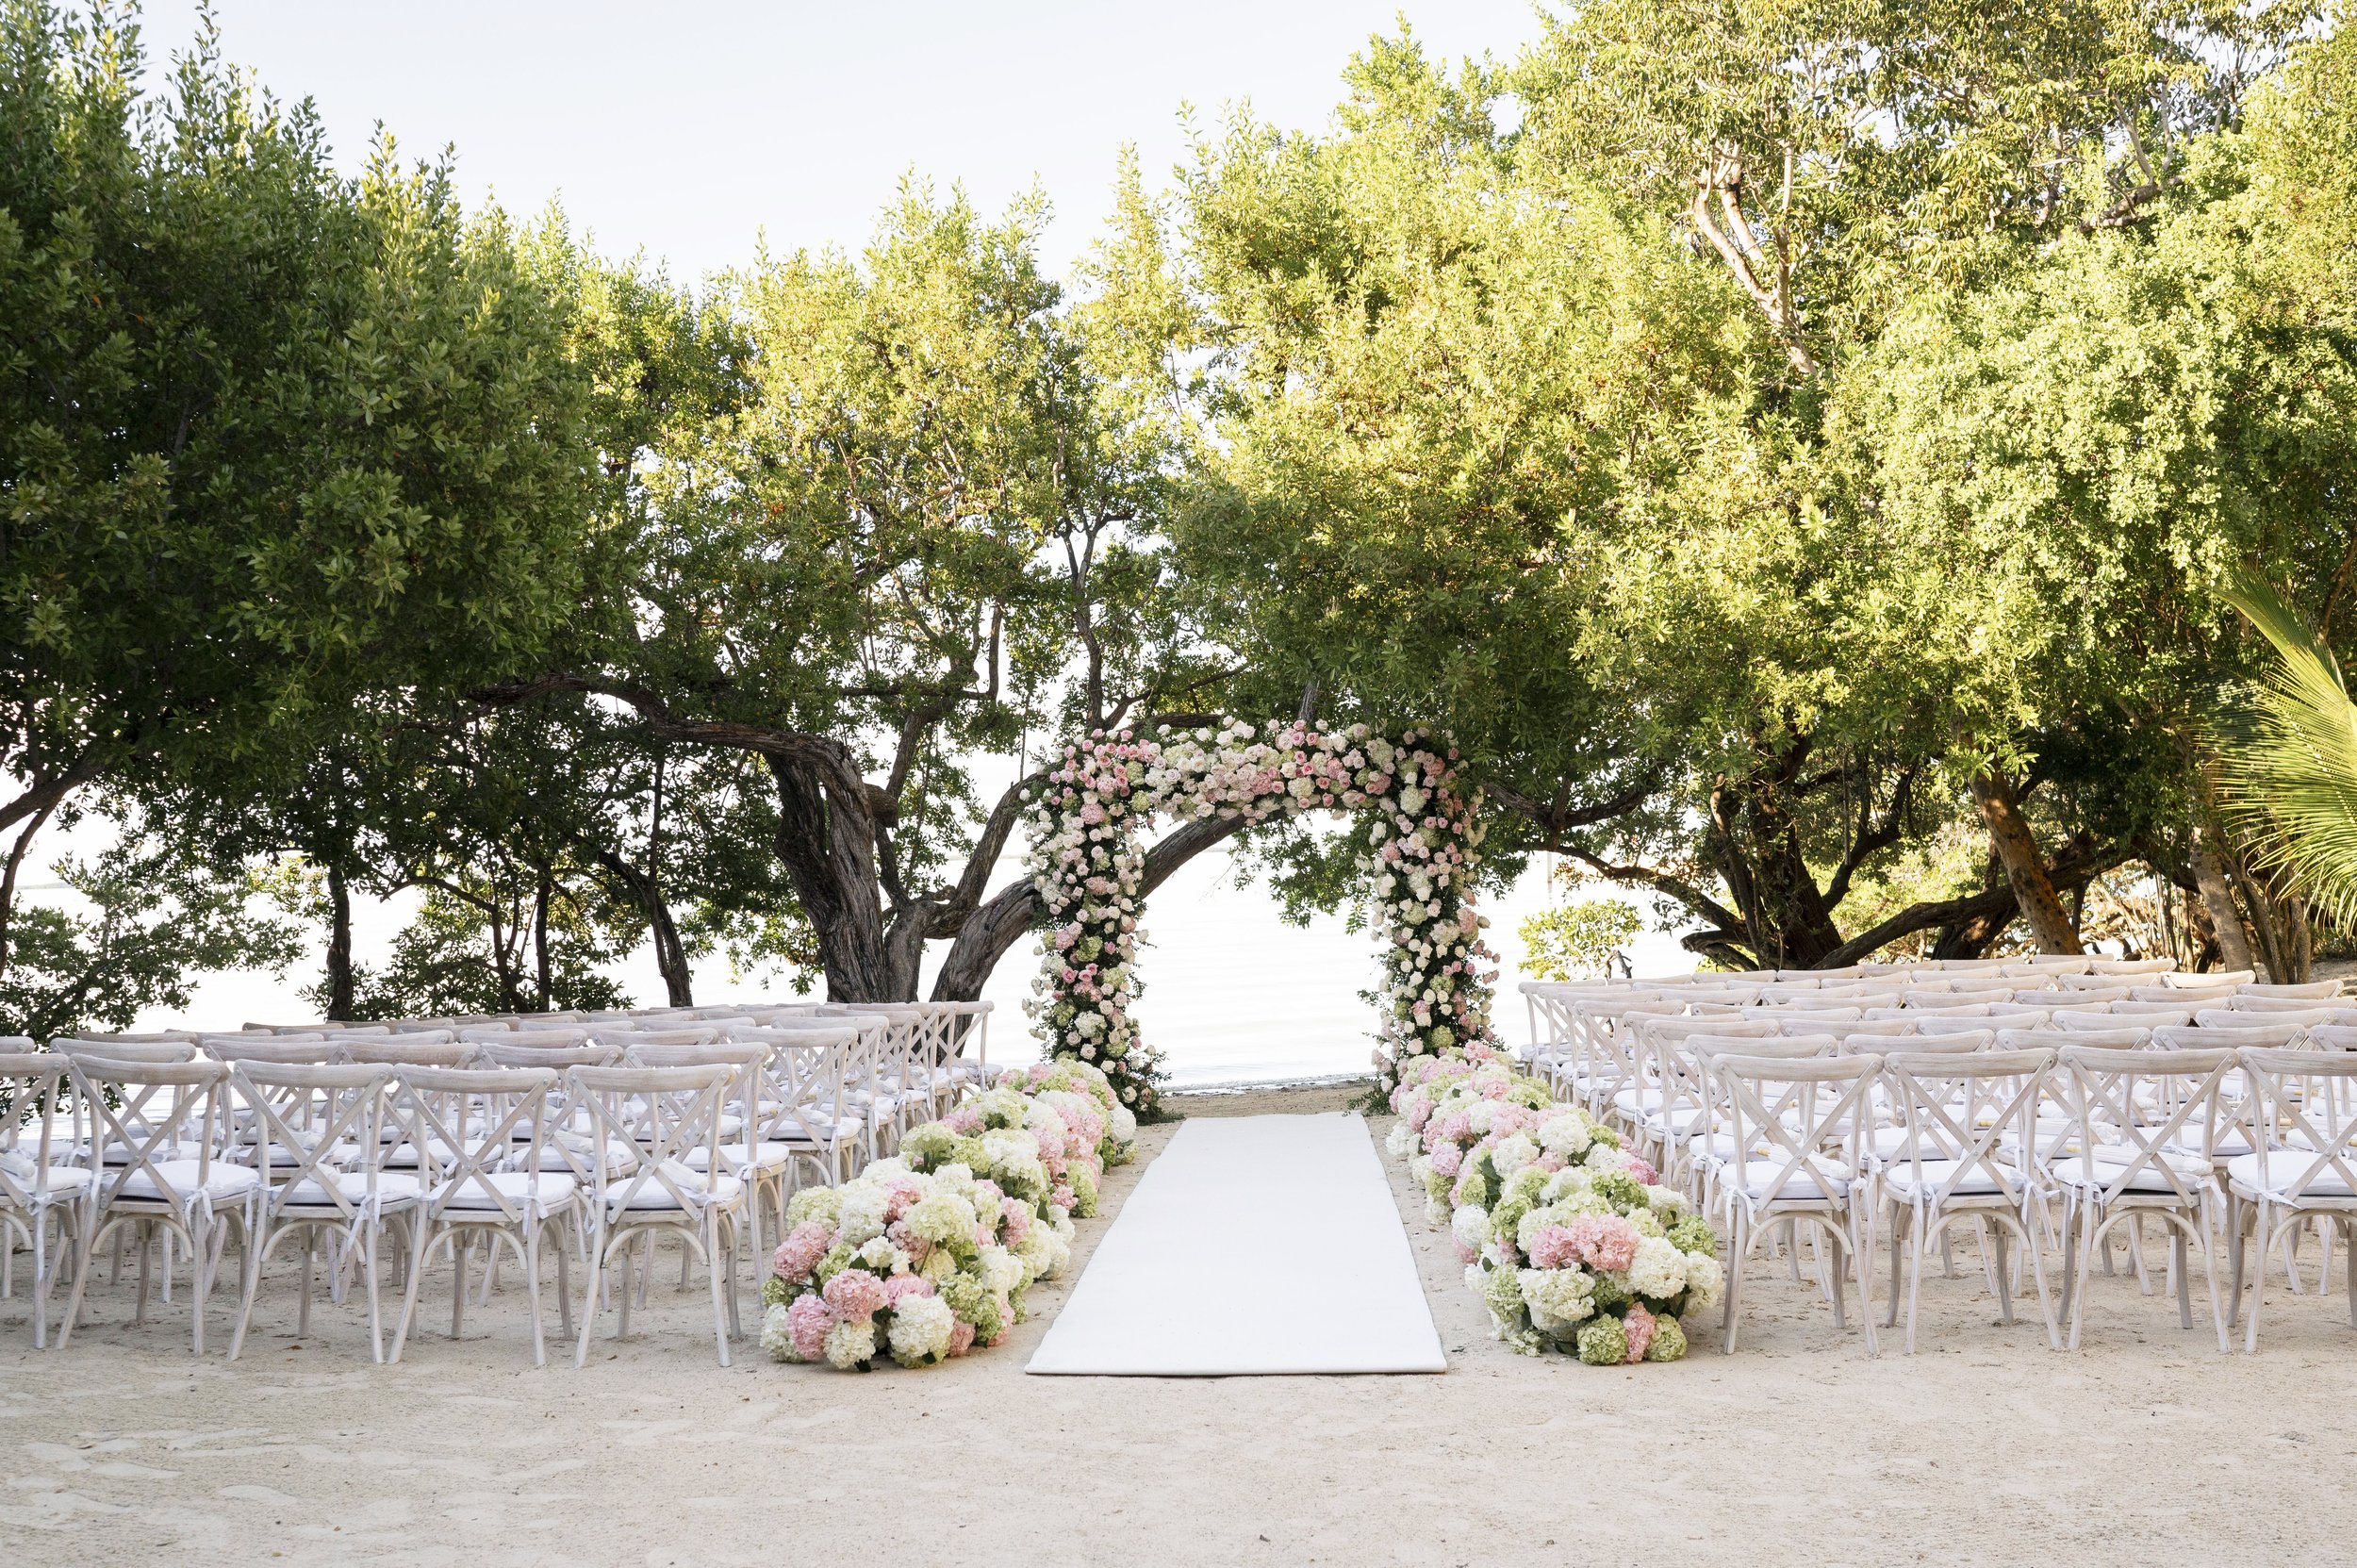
[
  {"x": 1569, "y": 1240},
  {"x": 1418, "y": 854},
  {"x": 927, "y": 1254}
]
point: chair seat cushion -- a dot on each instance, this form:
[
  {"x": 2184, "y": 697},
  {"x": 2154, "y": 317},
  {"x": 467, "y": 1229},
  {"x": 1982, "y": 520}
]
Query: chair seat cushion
[
  {"x": 540, "y": 1190},
  {"x": 351, "y": 1186},
  {"x": 765, "y": 1155},
  {"x": 2102, "y": 1173},
  {"x": 26, "y": 1173},
  {"x": 1758, "y": 1180},
  {"x": 653, "y": 1194},
  {"x": 2284, "y": 1171},
  {"x": 1909, "y": 1180},
  {"x": 182, "y": 1177}
]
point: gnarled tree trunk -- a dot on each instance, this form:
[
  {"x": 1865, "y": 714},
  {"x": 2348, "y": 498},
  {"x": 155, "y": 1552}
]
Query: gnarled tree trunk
[{"x": 2025, "y": 868}]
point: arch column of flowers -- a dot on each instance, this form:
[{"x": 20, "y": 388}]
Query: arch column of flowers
[{"x": 1418, "y": 851}]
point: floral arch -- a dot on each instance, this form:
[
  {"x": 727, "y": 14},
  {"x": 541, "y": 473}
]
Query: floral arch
[{"x": 1420, "y": 845}]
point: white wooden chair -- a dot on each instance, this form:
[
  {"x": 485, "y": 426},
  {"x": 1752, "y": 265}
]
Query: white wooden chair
[
  {"x": 39, "y": 1193},
  {"x": 2304, "y": 1114},
  {"x": 480, "y": 1180},
  {"x": 2143, "y": 1144},
  {"x": 317, "y": 1137},
  {"x": 154, "y": 1134},
  {"x": 678, "y": 1183},
  {"x": 1956, "y": 1108},
  {"x": 1796, "y": 1124}
]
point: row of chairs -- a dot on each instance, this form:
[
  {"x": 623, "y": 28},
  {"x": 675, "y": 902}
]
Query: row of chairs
[
  {"x": 341, "y": 1138},
  {"x": 1778, "y": 1106}
]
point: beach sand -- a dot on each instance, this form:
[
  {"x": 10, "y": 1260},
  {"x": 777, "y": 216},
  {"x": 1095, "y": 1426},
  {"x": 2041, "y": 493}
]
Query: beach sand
[{"x": 1985, "y": 1447}]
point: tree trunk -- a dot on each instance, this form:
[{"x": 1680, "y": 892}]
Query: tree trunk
[
  {"x": 827, "y": 847},
  {"x": 540, "y": 943},
  {"x": 2026, "y": 869},
  {"x": 1001, "y": 922},
  {"x": 671, "y": 953},
  {"x": 2217, "y": 900},
  {"x": 340, "y": 997}
]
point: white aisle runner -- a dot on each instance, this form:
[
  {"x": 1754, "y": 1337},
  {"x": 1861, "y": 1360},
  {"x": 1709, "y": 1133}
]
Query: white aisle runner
[{"x": 1251, "y": 1245}]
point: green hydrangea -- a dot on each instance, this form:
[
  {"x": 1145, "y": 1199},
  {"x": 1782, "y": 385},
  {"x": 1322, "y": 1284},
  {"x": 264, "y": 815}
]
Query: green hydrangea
[
  {"x": 930, "y": 1146},
  {"x": 1527, "y": 1185},
  {"x": 1502, "y": 1289},
  {"x": 1668, "y": 1341},
  {"x": 1083, "y": 1187},
  {"x": 1619, "y": 1189},
  {"x": 776, "y": 1291},
  {"x": 822, "y": 1204},
  {"x": 1612, "y": 1292},
  {"x": 1603, "y": 1342},
  {"x": 1693, "y": 1234},
  {"x": 973, "y": 1303},
  {"x": 838, "y": 1258},
  {"x": 1436, "y": 1187},
  {"x": 1644, "y": 1223}
]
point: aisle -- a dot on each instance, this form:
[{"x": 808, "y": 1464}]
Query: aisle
[{"x": 1252, "y": 1245}]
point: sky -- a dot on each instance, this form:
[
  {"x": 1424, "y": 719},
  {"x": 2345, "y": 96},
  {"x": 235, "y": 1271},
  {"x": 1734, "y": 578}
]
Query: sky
[
  {"x": 690, "y": 129},
  {"x": 694, "y": 130}
]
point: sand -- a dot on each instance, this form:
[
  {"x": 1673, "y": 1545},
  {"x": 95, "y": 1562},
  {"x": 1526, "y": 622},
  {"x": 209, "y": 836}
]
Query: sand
[{"x": 1984, "y": 1448}]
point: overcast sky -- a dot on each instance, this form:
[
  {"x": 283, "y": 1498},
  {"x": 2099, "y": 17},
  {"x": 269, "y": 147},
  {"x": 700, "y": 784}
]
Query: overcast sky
[{"x": 686, "y": 128}]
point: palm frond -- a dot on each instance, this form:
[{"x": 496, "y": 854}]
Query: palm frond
[{"x": 2288, "y": 760}]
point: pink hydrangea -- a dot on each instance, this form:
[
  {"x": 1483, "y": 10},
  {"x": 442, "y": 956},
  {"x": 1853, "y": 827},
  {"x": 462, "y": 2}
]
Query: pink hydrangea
[
  {"x": 964, "y": 1121},
  {"x": 1458, "y": 1128},
  {"x": 1017, "y": 1218},
  {"x": 1643, "y": 1170},
  {"x": 1553, "y": 1247},
  {"x": 854, "y": 1294},
  {"x": 902, "y": 1197},
  {"x": 1418, "y": 1114},
  {"x": 961, "y": 1338},
  {"x": 801, "y": 1249},
  {"x": 1638, "y": 1326},
  {"x": 1051, "y": 1151},
  {"x": 901, "y": 1286},
  {"x": 908, "y": 1241},
  {"x": 1603, "y": 1241},
  {"x": 806, "y": 1323},
  {"x": 1064, "y": 1198},
  {"x": 1447, "y": 1159}
]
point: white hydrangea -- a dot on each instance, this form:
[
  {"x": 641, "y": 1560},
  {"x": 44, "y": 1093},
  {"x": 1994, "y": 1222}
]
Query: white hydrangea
[
  {"x": 921, "y": 1329},
  {"x": 1559, "y": 1299},
  {"x": 1123, "y": 1125},
  {"x": 850, "y": 1344},
  {"x": 1668, "y": 1202},
  {"x": 1471, "y": 1226},
  {"x": 1402, "y": 1142},
  {"x": 1513, "y": 1152},
  {"x": 1000, "y": 1269},
  {"x": 861, "y": 1217},
  {"x": 1659, "y": 1270},
  {"x": 775, "y": 1339},
  {"x": 1705, "y": 1281},
  {"x": 1566, "y": 1135}
]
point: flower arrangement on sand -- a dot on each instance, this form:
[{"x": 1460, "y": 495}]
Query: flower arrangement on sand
[
  {"x": 926, "y": 1255},
  {"x": 1570, "y": 1240}
]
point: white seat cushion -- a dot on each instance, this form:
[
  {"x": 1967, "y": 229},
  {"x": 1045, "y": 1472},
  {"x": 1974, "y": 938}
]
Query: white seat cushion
[
  {"x": 765, "y": 1156},
  {"x": 181, "y": 1176},
  {"x": 2285, "y": 1169},
  {"x": 45, "y": 1178},
  {"x": 2103, "y": 1172},
  {"x": 542, "y": 1190},
  {"x": 391, "y": 1187},
  {"x": 1903, "y": 1179},
  {"x": 1755, "y": 1179},
  {"x": 651, "y": 1193}
]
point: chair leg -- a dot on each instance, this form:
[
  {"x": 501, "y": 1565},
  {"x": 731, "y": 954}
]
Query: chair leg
[
  {"x": 2264, "y": 1237},
  {"x": 368, "y": 1242},
  {"x": 419, "y": 1239},
  {"x": 712, "y": 1270},
  {"x": 531, "y": 1249},
  {"x": 461, "y": 1253}
]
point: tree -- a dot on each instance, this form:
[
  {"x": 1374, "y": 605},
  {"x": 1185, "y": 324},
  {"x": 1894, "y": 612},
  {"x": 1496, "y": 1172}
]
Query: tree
[
  {"x": 270, "y": 439},
  {"x": 919, "y": 532}
]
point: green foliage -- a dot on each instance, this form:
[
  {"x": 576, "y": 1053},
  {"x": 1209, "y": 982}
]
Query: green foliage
[
  {"x": 1576, "y": 941},
  {"x": 2287, "y": 761},
  {"x": 143, "y": 920}
]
